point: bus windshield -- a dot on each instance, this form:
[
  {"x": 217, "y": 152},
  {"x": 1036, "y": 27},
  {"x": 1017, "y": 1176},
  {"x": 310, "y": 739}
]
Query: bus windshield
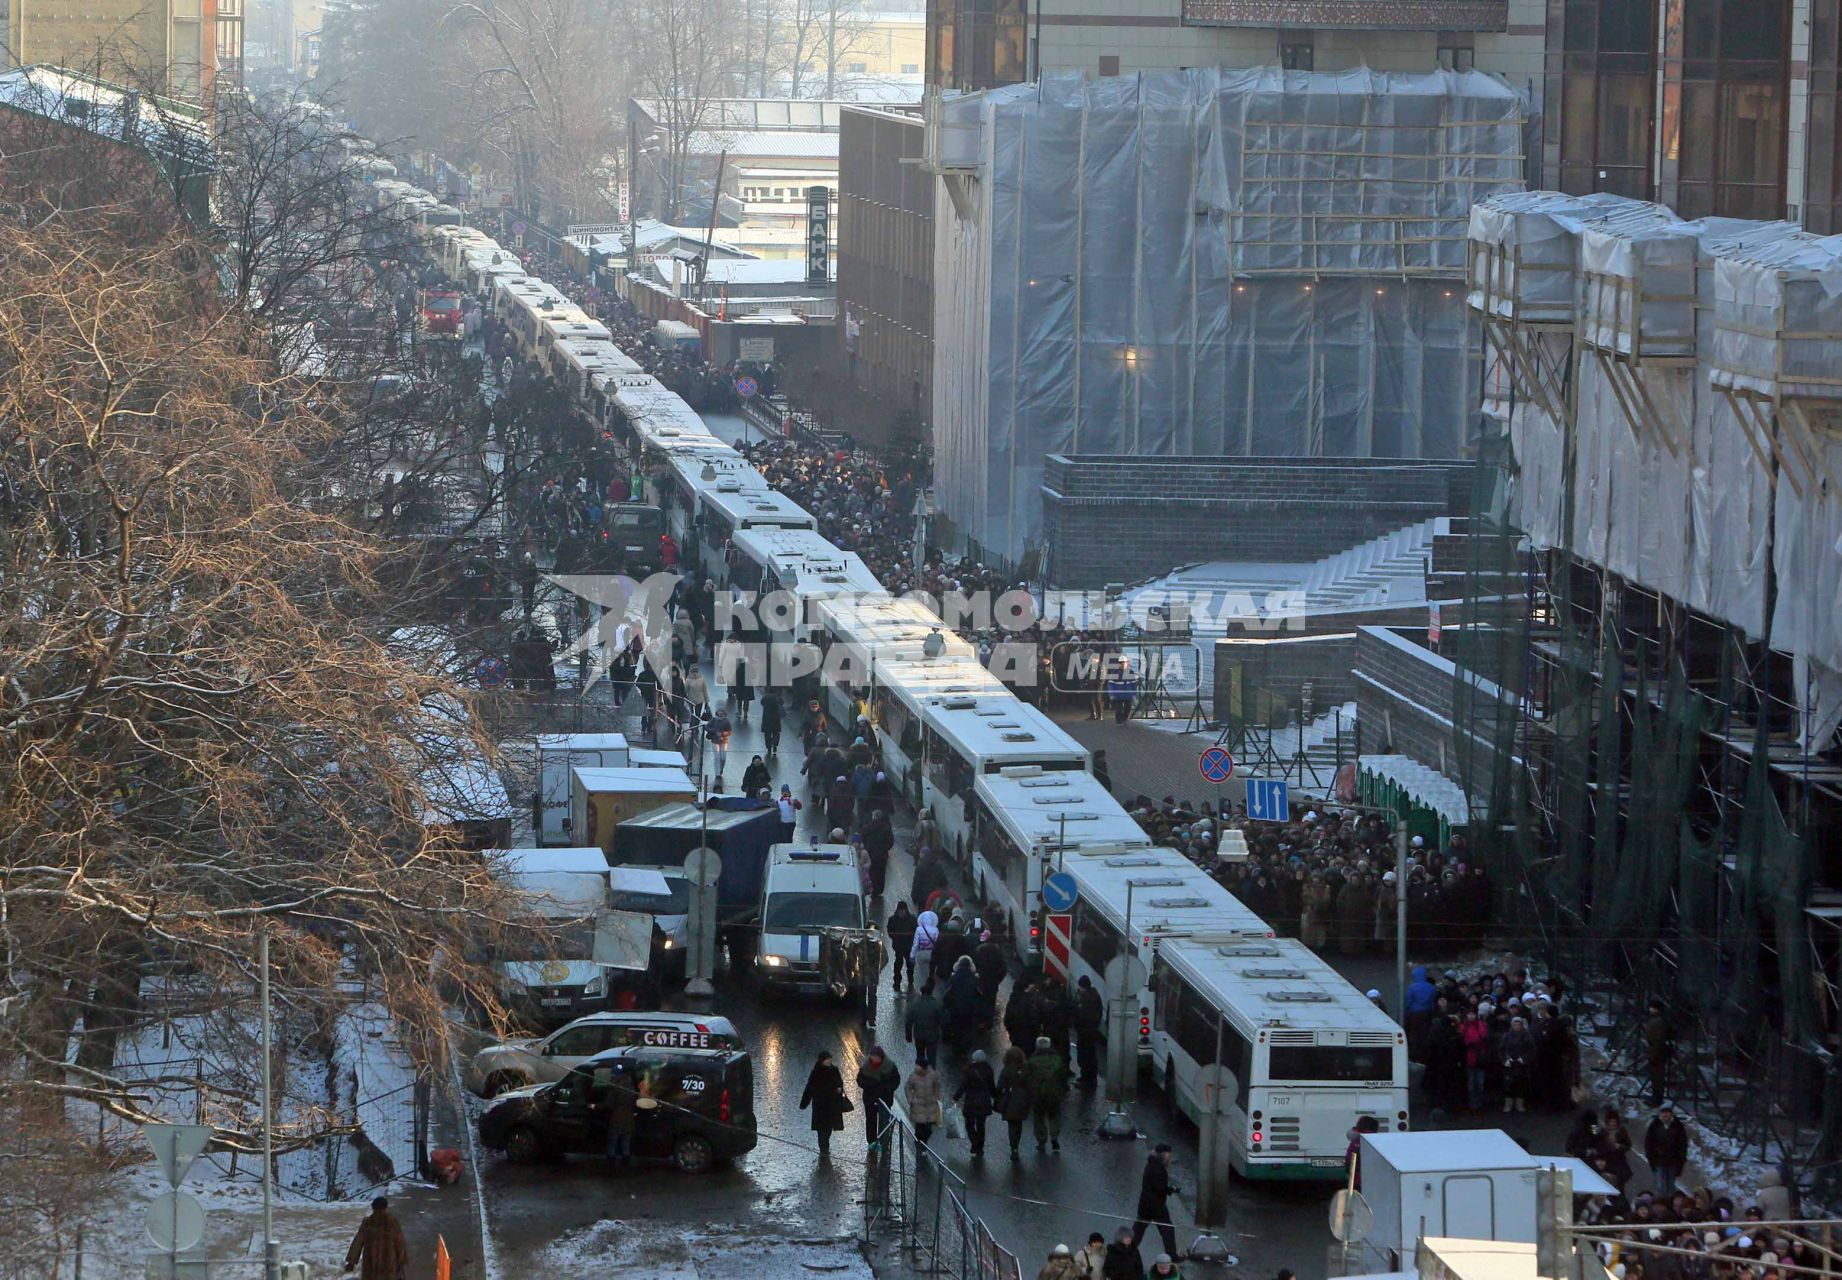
[{"x": 1298, "y": 1063}]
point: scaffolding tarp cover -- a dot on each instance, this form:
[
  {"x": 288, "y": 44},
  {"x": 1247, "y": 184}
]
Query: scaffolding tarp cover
[
  {"x": 1662, "y": 836},
  {"x": 1205, "y": 262}
]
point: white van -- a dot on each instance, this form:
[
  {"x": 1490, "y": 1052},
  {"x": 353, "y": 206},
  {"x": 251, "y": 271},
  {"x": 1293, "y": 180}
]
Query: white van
[
  {"x": 557, "y": 754},
  {"x": 809, "y": 887},
  {"x": 570, "y": 888}
]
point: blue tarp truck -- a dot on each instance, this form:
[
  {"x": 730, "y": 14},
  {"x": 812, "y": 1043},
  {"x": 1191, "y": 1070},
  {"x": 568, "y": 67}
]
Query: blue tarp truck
[{"x": 740, "y": 830}]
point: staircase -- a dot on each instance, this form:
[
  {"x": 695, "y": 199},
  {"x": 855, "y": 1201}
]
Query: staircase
[
  {"x": 1329, "y": 740},
  {"x": 1390, "y": 569}
]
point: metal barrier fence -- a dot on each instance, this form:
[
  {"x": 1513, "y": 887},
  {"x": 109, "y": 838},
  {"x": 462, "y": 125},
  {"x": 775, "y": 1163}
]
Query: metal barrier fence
[
  {"x": 911, "y": 1196},
  {"x": 389, "y": 1139}
]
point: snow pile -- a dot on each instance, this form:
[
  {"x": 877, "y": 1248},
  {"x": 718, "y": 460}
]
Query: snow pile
[{"x": 671, "y": 1251}]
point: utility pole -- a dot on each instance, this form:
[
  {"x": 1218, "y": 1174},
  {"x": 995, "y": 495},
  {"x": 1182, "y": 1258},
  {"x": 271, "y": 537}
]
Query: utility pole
[
  {"x": 1400, "y": 920},
  {"x": 1554, "y": 1244},
  {"x": 271, "y": 1248},
  {"x": 1121, "y": 1045}
]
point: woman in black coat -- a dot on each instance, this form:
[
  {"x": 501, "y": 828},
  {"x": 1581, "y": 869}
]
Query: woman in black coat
[{"x": 825, "y": 1095}]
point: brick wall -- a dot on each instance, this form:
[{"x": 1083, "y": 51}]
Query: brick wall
[
  {"x": 1409, "y": 700},
  {"x": 1123, "y": 519}
]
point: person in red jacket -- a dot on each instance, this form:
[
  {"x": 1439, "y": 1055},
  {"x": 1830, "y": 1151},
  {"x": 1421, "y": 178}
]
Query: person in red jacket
[
  {"x": 1475, "y": 1036},
  {"x": 668, "y": 551}
]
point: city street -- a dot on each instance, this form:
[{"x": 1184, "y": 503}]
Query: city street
[{"x": 540, "y": 1215}]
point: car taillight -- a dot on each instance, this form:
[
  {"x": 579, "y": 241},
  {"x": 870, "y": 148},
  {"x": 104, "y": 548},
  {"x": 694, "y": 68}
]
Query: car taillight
[
  {"x": 722, "y": 1107},
  {"x": 1144, "y": 1026}
]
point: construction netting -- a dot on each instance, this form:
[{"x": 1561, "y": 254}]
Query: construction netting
[
  {"x": 1646, "y": 577},
  {"x": 1252, "y": 262}
]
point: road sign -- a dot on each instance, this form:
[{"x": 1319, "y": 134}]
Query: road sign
[
  {"x": 1058, "y": 928},
  {"x": 490, "y": 672},
  {"x": 1216, "y": 764},
  {"x": 1267, "y": 800},
  {"x": 176, "y": 1146},
  {"x": 518, "y": 228},
  {"x": 1060, "y": 891},
  {"x": 703, "y": 866},
  {"x": 746, "y": 387},
  {"x": 175, "y": 1221},
  {"x": 1350, "y": 1217}
]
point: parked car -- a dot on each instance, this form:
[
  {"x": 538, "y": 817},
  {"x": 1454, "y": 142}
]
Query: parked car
[
  {"x": 695, "y": 1108},
  {"x": 515, "y": 1064}
]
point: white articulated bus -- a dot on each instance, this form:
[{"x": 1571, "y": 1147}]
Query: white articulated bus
[
  {"x": 1130, "y": 899},
  {"x": 1025, "y": 820},
  {"x": 1309, "y": 1055}
]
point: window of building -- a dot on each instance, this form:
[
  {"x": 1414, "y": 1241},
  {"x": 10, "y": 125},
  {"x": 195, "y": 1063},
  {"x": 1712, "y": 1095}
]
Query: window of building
[
  {"x": 1457, "y": 57},
  {"x": 1109, "y": 64},
  {"x": 985, "y": 45},
  {"x": 1731, "y": 133},
  {"x": 858, "y": 67},
  {"x": 1297, "y": 55},
  {"x": 911, "y": 68},
  {"x": 1608, "y": 98}
]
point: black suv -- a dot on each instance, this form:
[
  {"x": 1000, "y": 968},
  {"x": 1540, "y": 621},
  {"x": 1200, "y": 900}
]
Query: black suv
[{"x": 696, "y": 1108}]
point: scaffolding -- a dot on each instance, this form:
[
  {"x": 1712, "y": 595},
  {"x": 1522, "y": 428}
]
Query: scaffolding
[
  {"x": 1657, "y": 479},
  {"x": 1206, "y": 262}
]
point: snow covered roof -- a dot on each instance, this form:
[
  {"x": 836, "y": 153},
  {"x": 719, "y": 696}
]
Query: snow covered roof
[
  {"x": 745, "y": 271},
  {"x": 171, "y": 130},
  {"x": 1427, "y": 786},
  {"x": 803, "y": 144}
]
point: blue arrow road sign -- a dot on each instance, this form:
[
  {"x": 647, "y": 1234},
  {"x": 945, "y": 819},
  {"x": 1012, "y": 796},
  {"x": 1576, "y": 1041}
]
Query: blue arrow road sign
[
  {"x": 1060, "y": 892},
  {"x": 1216, "y": 764},
  {"x": 1267, "y": 801}
]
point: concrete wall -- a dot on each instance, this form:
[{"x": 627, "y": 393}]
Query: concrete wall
[
  {"x": 1121, "y": 519},
  {"x": 1281, "y": 665}
]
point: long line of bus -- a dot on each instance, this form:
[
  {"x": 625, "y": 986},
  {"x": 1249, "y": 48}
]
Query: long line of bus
[{"x": 1011, "y": 791}]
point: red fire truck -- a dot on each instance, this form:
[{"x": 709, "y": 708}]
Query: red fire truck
[{"x": 441, "y": 314}]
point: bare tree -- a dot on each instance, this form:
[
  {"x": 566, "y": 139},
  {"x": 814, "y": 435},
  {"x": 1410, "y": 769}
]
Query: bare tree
[
  {"x": 203, "y": 734},
  {"x": 694, "y": 52}
]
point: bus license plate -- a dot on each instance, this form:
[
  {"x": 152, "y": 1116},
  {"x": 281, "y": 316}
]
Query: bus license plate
[
  {"x": 556, "y": 999},
  {"x": 1325, "y": 1162}
]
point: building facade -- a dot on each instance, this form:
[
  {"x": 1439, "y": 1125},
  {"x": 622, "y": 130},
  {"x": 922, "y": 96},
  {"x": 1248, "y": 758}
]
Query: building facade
[
  {"x": 886, "y": 260},
  {"x": 172, "y": 43},
  {"x": 982, "y": 44}
]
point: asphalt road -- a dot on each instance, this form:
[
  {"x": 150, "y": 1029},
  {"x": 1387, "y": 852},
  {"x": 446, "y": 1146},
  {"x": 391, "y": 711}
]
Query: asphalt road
[{"x": 541, "y": 1215}]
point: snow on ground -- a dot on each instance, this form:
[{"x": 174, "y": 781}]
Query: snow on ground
[
  {"x": 367, "y": 1078},
  {"x": 1716, "y": 1160},
  {"x": 115, "y": 1241},
  {"x": 667, "y": 1251}
]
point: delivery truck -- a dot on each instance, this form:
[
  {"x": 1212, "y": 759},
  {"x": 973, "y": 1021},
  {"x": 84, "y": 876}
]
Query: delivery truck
[
  {"x": 739, "y": 829},
  {"x": 568, "y": 889},
  {"x": 601, "y": 799},
  {"x": 558, "y": 754}
]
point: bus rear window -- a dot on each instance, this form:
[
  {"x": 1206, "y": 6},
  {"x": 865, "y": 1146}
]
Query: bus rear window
[{"x": 1315, "y": 1063}]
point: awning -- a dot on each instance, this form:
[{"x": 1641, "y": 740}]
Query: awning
[{"x": 1420, "y": 785}]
